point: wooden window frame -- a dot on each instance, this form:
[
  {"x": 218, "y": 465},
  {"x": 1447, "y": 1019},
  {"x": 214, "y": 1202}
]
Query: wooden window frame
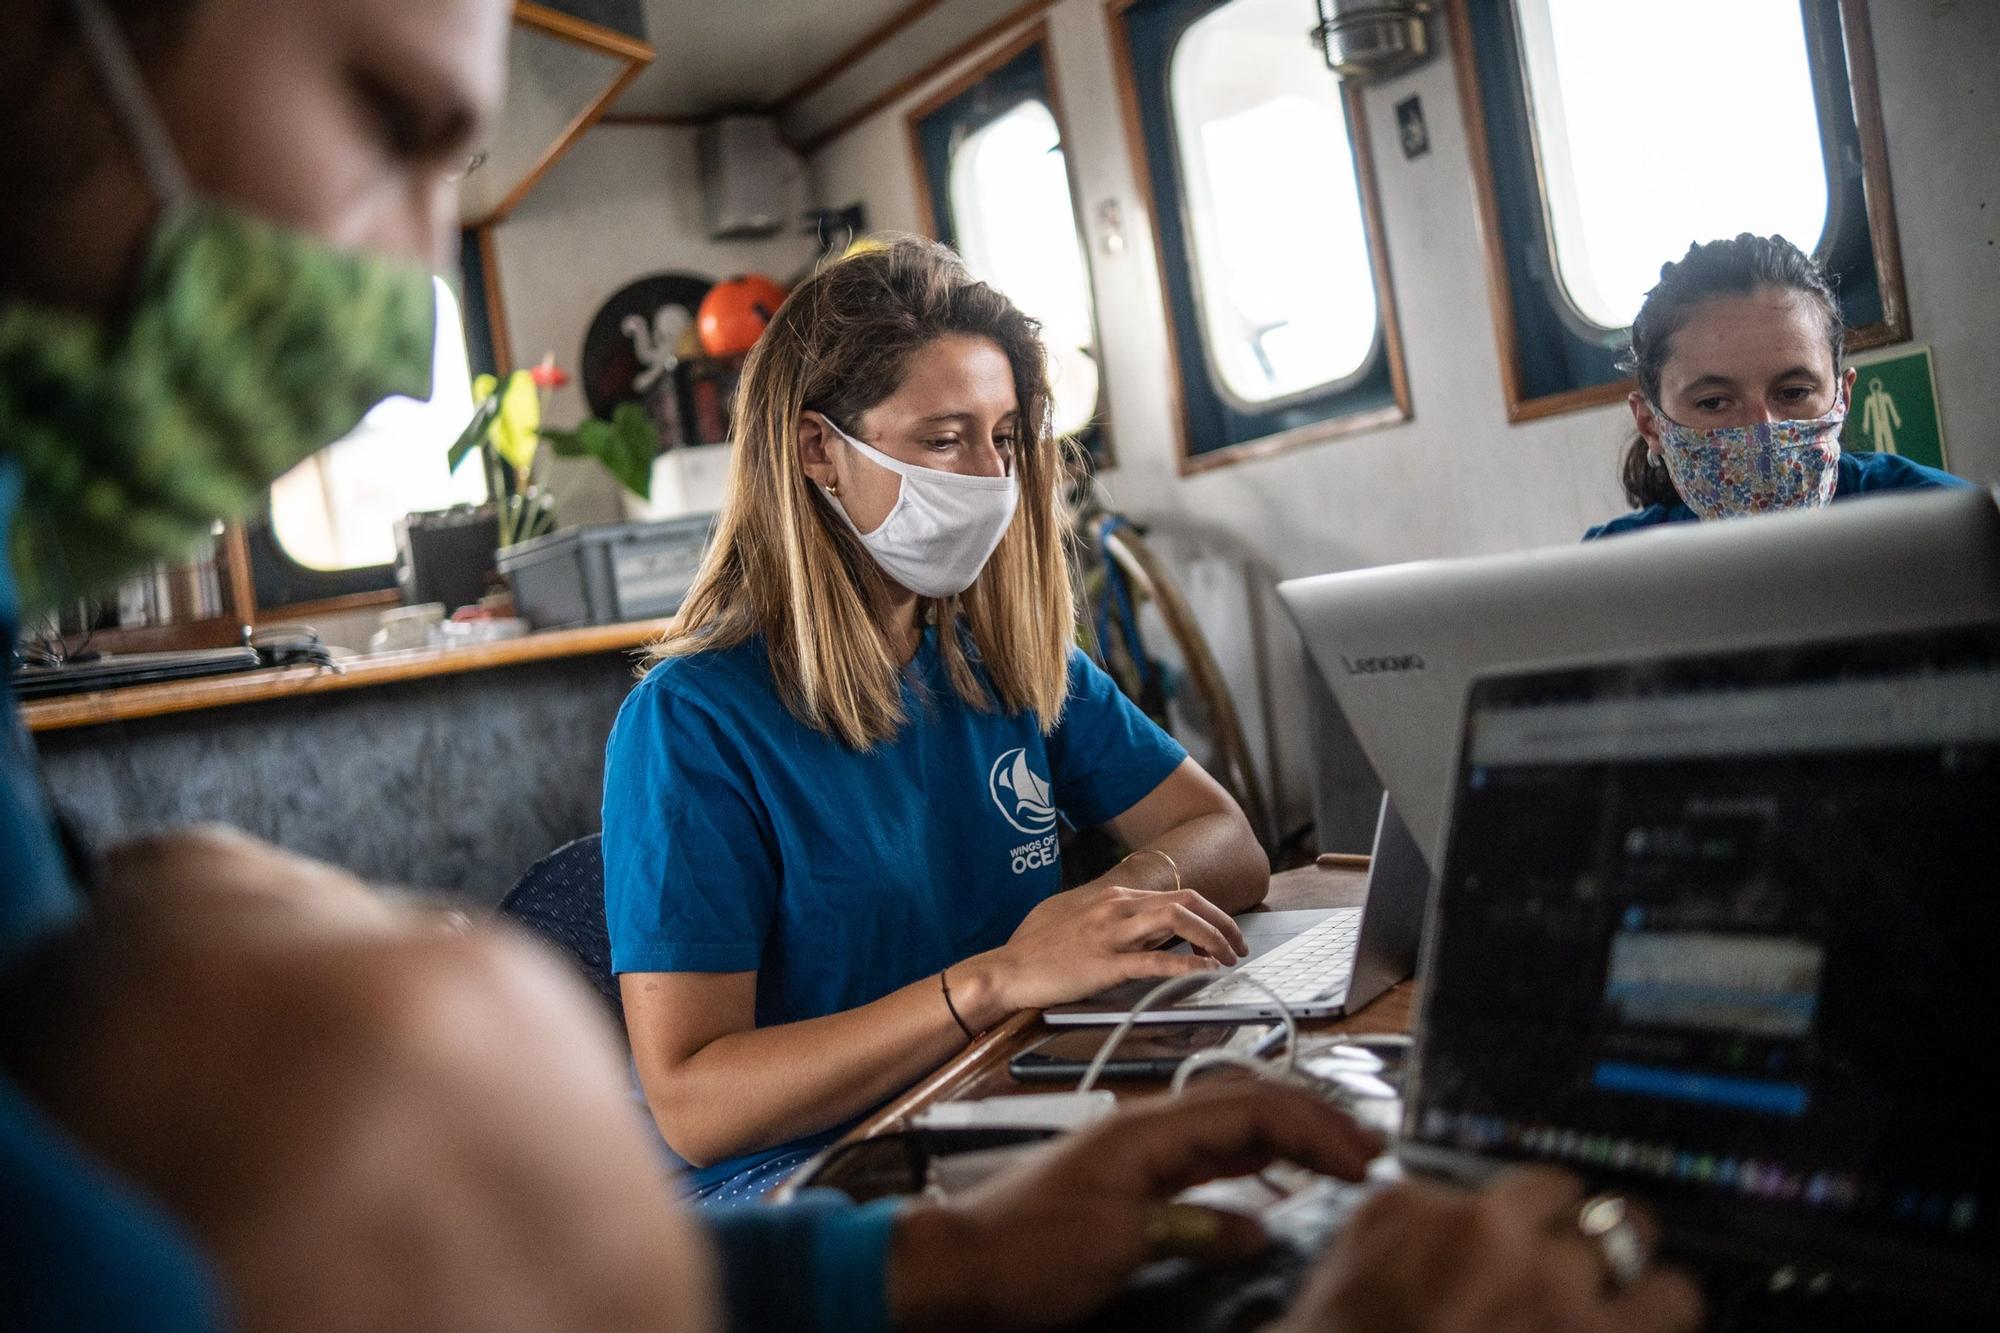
[
  {"x": 635, "y": 54},
  {"x": 1096, "y": 437},
  {"x": 1885, "y": 247},
  {"x": 1187, "y": 461}
]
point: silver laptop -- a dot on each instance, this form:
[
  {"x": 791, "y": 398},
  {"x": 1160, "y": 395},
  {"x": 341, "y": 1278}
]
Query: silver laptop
[
  {"x": 1398, "y": 646},
  {"x": 1322, "y": 963}
]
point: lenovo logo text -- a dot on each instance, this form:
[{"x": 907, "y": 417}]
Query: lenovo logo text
[{"x": 1382, "y": 666}]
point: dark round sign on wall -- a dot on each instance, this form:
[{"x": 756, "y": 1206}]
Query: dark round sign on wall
[{"x": 638, "y": 337}]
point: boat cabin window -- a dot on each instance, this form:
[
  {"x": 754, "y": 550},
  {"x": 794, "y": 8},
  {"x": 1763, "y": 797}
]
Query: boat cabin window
[
  {"x": 1268, "y": 232},
  {"x": 1017, "y": 230},
  {"x": 1262, "y": 144},
  {"x": 338, "y": 509},
  {"x": 998, "y": 182},
  {"x": 1628, "y": 178},
  {"x": 1606, "y": 136}
]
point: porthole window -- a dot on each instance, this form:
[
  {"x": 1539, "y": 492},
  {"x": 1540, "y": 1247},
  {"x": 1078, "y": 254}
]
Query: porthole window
[
  {"x": 1630, "y": 178},
  {"x": 1016, "y": 228},
  {"x": 994, "y": 185},
  {"x": 1610, "y": 135},
  {"x": 1273, "y": 205},
  {"x": 1281, "y": 321},
  {"x": 336, "y": 511}
]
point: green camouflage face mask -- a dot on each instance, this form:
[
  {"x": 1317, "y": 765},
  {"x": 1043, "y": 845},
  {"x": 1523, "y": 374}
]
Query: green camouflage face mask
[
  {"x": 243, "y": 348},
  {"x": 246, "y": 349}
]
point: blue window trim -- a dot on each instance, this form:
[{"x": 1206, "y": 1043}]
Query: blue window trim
[
  {"x": 1552, "y": 359},
  {"x": 1216, "y": 429},
  {"x": 279, "y": 580},
  {"x": 1023, "y": 73}
]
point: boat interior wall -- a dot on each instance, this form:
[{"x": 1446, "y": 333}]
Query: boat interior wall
[{"x": 625, "y": 202}]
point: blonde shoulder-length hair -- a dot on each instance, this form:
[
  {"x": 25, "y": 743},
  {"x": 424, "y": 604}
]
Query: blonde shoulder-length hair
[{"x": 783, "y": 565}]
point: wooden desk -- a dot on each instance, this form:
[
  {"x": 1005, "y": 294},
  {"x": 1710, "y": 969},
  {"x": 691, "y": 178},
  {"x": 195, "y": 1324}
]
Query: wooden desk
[{"x": 980, "y": 1070}]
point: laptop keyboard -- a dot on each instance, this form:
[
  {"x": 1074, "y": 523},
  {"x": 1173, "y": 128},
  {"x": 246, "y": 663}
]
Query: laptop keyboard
[{"x": 1312, "y": 964}]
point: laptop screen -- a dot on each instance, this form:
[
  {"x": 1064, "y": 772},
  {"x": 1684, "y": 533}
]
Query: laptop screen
[{"x": 1728, "y": 929}]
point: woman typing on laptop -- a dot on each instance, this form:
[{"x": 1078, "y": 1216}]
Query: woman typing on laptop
[
  {"x": 1742, "y": 392},
  {"x": 830, "y": 810}
]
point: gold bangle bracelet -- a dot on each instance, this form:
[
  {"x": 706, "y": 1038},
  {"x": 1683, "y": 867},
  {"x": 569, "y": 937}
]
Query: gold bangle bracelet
[{"x": 1172, "y": 864}]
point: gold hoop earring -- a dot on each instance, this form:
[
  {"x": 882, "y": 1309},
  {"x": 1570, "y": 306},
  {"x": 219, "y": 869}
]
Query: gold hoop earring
[{"x": 833, "y": 488}]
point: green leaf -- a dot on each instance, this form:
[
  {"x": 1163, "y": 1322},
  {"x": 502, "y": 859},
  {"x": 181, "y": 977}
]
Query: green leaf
[
  {"x": 625, "y": 446},
  {"x": 639, "y": 441}
]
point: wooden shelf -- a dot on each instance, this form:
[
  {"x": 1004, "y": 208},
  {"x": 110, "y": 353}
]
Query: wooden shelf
[{"x": 188, "y": 696}]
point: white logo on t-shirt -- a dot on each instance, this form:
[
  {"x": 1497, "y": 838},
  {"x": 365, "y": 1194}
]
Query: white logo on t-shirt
[
  {"x": 1021, "y": 793},
  {"x": 1025, "y": 802}
]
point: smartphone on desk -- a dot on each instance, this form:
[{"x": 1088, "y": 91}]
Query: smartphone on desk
[{"x": 1148, "y": 1051}]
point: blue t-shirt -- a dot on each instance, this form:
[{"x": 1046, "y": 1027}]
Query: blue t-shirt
[
  {"x": 35, "y": 893},
  {"x": 737, "y": 838},
  {"x": 1859, "y": 474},
  {"x": 78, "y": 1247}
]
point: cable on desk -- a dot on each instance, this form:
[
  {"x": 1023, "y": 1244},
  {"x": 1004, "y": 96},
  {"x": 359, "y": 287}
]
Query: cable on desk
[{"x": 1173, "y": 985}]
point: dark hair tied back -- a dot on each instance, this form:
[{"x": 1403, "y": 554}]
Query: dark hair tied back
[{"x": 1733, "y": 267}]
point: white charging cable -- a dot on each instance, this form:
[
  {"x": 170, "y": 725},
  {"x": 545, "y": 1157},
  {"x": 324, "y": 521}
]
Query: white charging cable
[{"x": 1195, "y": 1062}]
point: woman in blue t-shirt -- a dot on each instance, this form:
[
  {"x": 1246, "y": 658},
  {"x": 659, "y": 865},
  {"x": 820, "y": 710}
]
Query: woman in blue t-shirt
[
  {"x": 1742, "y": 392},
  {"x": 831, "y": 809}
]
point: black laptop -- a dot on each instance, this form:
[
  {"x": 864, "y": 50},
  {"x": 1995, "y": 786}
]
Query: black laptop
[{"x": 1721, "y": 932}]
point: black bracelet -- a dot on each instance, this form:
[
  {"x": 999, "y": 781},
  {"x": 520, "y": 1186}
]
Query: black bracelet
[{"x": 945, "y": 985}]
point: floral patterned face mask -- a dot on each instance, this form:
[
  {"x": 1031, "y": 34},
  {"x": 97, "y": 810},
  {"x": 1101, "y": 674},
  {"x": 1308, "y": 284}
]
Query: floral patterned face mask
[{"x": 1773, "y": 465}]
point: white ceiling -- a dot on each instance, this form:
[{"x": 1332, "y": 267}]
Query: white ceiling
[
  {"x": 718, "y": 55},
  {"x": 942, "y": 28}
]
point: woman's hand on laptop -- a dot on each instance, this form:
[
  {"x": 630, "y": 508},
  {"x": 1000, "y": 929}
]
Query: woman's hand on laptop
[
  {"x": 1049, "y": 1241},
  {"x": 1086, "y": 939},
  {"x": 1428, "y": 1258}
]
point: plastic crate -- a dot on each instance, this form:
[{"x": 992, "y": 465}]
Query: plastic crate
[{"x": 606, "y": 572}]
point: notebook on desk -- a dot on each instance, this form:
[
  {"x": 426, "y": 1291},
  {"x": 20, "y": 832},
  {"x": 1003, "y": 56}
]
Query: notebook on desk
[
  {"x": 1719, "y": 931},
  {"x": 1321, "y": 963},
  {"x": 114, "y": 670}
]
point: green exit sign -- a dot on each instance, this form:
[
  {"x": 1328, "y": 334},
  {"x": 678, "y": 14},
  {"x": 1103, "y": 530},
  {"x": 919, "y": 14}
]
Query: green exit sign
[{"x": 1895, "y": 409}]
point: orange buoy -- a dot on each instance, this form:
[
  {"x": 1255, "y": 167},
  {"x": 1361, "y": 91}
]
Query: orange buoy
[{"x": 735, "y": 311}]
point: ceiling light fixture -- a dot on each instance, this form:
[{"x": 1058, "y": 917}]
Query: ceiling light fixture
[{"x": 1367, "y": 40}]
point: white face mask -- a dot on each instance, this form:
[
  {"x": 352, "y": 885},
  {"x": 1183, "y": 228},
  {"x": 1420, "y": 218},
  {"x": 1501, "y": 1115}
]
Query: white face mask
[{"x": 943, "y": 527}]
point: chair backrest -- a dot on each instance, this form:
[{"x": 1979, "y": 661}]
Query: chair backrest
[
  {"x": 1232, "y": 764},
  {"x": 561, "y": 899}
]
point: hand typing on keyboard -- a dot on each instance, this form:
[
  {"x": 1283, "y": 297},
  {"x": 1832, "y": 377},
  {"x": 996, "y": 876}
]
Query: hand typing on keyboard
[
  {"x": 1507, "y": 1259},
  {"x": 1313, "y": 963},
  {"x": 1085, "y": 939}
]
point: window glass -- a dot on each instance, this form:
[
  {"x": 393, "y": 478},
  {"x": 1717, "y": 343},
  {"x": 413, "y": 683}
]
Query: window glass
[
  {"x": 1015, "y": 225},
  {"x": 1286, "y": 292},
  {"x": 1712, "y": 131},
  {"x": 335, "y": 511}
]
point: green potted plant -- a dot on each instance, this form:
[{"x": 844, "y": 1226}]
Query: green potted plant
[{"x": 507, "y": 430}]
